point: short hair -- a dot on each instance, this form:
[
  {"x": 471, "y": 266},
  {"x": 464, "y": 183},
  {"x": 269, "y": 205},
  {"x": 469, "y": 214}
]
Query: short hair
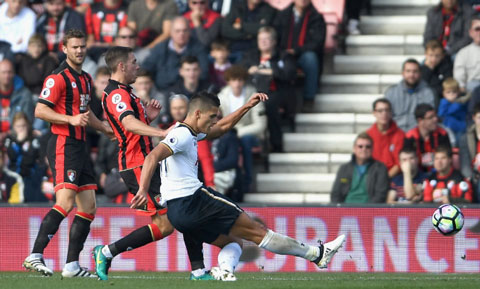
[
  {"x": 236, "y": 72},
  {"x": 475, "y": 17},
  {"x": 102, "y": 70},
  {"x": 220, "y": 44},
  {"x": 143, "y": 73},
  {"x": 444, "y": 149},
  {"x": 37, "y": 38},
  {"x": 450, "y": 83},
  {"x": 422, "y": 109},
  {"x": 270, "y": 30},
  {"x": 476, "y": 109},
  {"x": 72, "y": 33},
  {"x": 178, "y": 96},
  {"x": 381, "y": 100},
  {"x": 21, "y": 115},
  {"x": 408, "y": 150},
  {"x": 363, "y": 135},
  {"x": 189, "y": 59},
  {"x": 203, "y": 100},
  {"x": 115, "y": 55},
  {"x": 434, "y": 44},
  {"x": 410, "y": 60}
]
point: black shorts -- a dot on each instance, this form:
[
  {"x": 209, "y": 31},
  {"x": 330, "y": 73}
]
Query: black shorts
[
  {"x": 131, "y": 177},
  {"x": 70, "y": 163},
  {"x": 204, "y": 215}
]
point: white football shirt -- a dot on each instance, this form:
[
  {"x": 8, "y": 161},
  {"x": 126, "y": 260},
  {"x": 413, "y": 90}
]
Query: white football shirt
[{"x": 179, "y": 172}]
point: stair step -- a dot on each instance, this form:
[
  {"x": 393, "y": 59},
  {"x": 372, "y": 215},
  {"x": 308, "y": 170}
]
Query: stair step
[
  {"x": 295, "y": 183},
  {"x": 307, "y": 162},
  {"x": 393, "y": 25},
  {"x": 357, "y": 103},
  {"x": 318, "y": 142},
  {"x": 381, "y": 64},
  {"x": 287, "y": 198},
  {"x": 333, "y": 122},
  {"x": 384, "y": 44},
  {"x": 404, "y": 7},
  {"x": 357, "y": 83}
]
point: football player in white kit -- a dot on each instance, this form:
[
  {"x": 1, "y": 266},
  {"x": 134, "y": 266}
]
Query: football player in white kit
[{"x": 202, "y": 212}]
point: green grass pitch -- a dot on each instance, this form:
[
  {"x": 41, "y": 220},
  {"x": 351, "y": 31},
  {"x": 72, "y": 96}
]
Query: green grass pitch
[{"x": 157, "y": 280}]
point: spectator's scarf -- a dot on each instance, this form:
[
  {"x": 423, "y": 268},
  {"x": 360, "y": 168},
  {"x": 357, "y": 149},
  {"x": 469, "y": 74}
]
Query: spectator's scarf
[
  {"x": 303, "y": 31},
  {"x": 447, "y": 22}
]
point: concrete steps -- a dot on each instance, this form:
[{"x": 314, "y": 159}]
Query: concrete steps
[
  {"x": 338, "y": 103},
  {"x": 357, "y": 83},
  {"x": 288, "y": 198},
  {"x": 384, "y": 44},
  {"x": 393, "y": 25},
  {"x": 295, "y": 183},
  {"x": 318, "y": 142},
  {"x": 404, "y": 7},
  {"x": 333, "y": 122},
  {"x": 365, "y": 64},
  {"x": 307, "y": 162}
]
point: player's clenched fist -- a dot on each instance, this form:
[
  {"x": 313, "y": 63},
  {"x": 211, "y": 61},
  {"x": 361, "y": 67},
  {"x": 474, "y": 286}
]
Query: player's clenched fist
[
  {"x": 256, "y": 98},
  {"x": 79, "y": 119}
]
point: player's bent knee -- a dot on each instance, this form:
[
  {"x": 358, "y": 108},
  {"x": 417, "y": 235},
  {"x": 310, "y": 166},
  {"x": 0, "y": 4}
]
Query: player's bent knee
[{"x": 163, "y": 224}]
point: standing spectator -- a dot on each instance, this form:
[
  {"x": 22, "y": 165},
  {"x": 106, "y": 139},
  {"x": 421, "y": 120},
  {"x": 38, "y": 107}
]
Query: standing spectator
[
  {"x": 189, "y": 82},
  {"x": 470, "y": 153},
  {"x": 219, "y": 52},
  {"x": 163, "y": 63},
  {"x": 446, "y": 185},
  {"x": 17, "y": 24},
  {"x": 251, "y": 128},
  {"x": 11, "y": 184},
  {"x": 6, "y": 51},
  {"x": 103, "y": 20},
  {"x": 426, "y": 136},
  {"x": 204, "y": 22},
  {"x": 406, "y": 188},
  {"x": 465, "y": 68},
  {"x": 55, "y": 21},
  {"x": 436, "y": 67},
  {"x": 449, "y": 22},
  {"x": 387, "y": 136},
  {"x": 23, "y": 154},
  {"x": 14, "y": 97},
  {"x": 407, "y": 94},
  {"x": 363, "y": 179},
  {"x": 152, "y": 20},
  {"x": 35, "y": 65},
  {"x": 453, "y": 112},
  {"x": 240, "y": 26},
  {"x": 302, "y": 33}
]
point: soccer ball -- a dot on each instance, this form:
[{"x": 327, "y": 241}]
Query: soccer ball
[{"x": 448, "y": 220}]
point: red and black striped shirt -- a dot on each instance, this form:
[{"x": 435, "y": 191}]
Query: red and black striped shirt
[
  {"x": 104, "y": 22},
  {"x": 119, "y": 101},
  {"x": 68, "y": 93}
]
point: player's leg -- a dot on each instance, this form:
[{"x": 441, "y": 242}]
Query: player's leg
[{"x": 228, "y": 257}]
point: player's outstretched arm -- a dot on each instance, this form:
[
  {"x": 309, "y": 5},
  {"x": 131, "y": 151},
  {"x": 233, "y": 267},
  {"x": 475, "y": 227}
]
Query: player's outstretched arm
[
  {"x": 133, "y": 125},
  {"x": 158, "y": 154},
  {"x": 45, "y": 113},
  {"x": 229, "y": 121}
]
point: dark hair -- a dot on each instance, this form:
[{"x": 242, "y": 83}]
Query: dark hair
[
  {"x": 422, "y": 109},
  {"x": 410, "y": 60},
  {"x": 220, "y": 44},
  {"x": 143, "y": 73},
  {"x": 475, "y": 17},
  {"x": 434, "y": 44},
  {"x": 476, "y": 109},
  {"x": 408, "y": 150},
  {"x": 444, "y": 149},
  {"x": 190, "y": 59},
  {"x": 363, "y": 135},
  {"x": 203, "y": 100},
  {"x": 381, "y": 100},
  {"x": 236, "y": 72},
  {"x": 72, "y": 33},
  {"x": 102, "y": 70},
  {"x": 115, "y": 55}
]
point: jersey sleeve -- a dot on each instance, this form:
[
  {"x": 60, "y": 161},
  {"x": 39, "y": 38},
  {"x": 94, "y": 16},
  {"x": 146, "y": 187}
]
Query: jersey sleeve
[
  {"x": 177, "y": 140},
  {"x": 53, "y": 87},
  {"x": 118, "y": 104}
]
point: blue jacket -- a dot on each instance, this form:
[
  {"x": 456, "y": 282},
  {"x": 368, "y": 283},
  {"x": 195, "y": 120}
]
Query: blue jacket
[
  {"x": 454, "y": 115},
  {"x": 20, "y": 100},
  {"x": 225, "y": 151}
]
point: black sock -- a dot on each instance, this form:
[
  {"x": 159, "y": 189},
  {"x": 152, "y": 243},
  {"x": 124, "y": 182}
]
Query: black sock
[
  {"x": 195, "y": 251},
  {"x": 48, "y": 228},
  {"x": 136, "y": 239},
  {"x": 78, "y": 234}
]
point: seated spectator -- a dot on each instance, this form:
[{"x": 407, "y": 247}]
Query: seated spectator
[
  {"x": 453, "y": 112},
  {"x": 102, "y": 75},
  {"x": 449, "y": 22},
  {"x": 271, "y": 71},
  {"x": 144, "y": 88},
  {"x": 152, "y": 20},
  {"x": 163, "y": 63},
  {"x": 11, "y": 184},
  {"x": 6, "y": 51},
  {"x": 406, "y": 188},
  {"x": 17, "y": 24},
  {"x": 302, "y": 34},
  {"x": 189, "y": 82},
  {"x": 103, "y": 20},
  {"x": 240, "y": 26},
  {"x": 465, "y": 68},
  {"x": 470, "y": 153},
  {"x": 182, "y": 6},
  {"x": 251, "y": 128},
  {"x": 436, "y": 67},
  {"x": 426, "y": 136},
  {"x": 35, "y": 65},
  {"x": 55, "y": 21},
  {"x": 446, "y": 185},
  {"x": 407, "y": 94},
  {"x": 219, "y": 52},
  {"x": 204, "y": 22},
  {"x": 363, "y": 179},
  {"x": 14, "y": 97},
  {"x": 178, "y": 107},
  {"x": 387, "y": 136},
  {"x": 23, "y": 153}
]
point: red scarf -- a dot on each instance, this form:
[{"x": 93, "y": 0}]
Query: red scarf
[
  {"x": 303, "y": 31},
  {"x": 447, "y": 22}
]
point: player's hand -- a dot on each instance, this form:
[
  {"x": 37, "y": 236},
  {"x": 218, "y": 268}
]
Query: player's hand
[
  {"x": 139, "y": 200},
  {"x": 79, "y": 119},
  {"x": 152, "y": 109},
  {"x": 256, "y": 98}
]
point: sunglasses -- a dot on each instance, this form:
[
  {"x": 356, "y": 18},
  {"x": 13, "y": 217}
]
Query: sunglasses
[
  {"x": 126, "y": 36},
  {"x": 364, "y": 146},
  {"x": 383, "y": 110},
  {"x": 476, "y": 29},
  {"x": 198, "y": 2}
]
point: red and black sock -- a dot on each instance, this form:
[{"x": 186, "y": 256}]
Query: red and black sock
[
  {"x": 48, "y": 228},
  {"x": 138, "y": 238},
  {"x": 78, "y": 234}
]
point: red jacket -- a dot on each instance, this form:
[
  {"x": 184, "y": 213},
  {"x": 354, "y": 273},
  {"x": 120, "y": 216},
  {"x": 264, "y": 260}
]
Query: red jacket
[
  {"x": 387, "y": 146},
  {"x": 413, "y": 139},
  {"x": 205, "y": 158},
  {"x": 458, "y": 189}
]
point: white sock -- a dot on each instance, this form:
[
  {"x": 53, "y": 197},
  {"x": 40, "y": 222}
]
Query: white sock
[
  {"x": 36, "y": 256},
  {"x": 198, "y": 272},
  {"x": 72, "y": 266},
  {"x": 283, "y": 245},
  {"x": 106, "y": 252},
  {"x": 229, "y": 256}
]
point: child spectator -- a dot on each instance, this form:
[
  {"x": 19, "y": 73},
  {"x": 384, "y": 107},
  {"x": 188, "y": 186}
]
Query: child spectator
[
  {"x": 436, "y": 67},
  {"x": 450, "y": 110},
  {"x": 219, "y": 52}
]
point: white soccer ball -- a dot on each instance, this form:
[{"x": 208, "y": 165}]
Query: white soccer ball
[{"x": 448, "y": 220}]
